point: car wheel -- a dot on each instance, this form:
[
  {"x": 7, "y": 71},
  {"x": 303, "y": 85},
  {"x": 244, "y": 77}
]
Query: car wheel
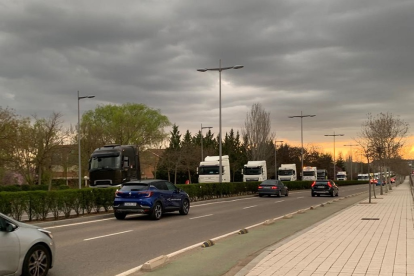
[
  {"x": 120, "y": 215},
  {"x": 313, "y": 194},
  {"x": 156, "y": 211},
  {"x": 337, "y": 193},
  {"x": 287, "y": 193},
  {"x": 37, "y": 261},
  {"x": 278, "y": 193},
  {"x": 332, "y": 193},
  {"x": 185, "y": 207},
  {"x": 260, "y": 195}
]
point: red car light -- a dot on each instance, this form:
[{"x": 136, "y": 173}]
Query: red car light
[
  {"x": 146, "y": 193},
  {"x": 274, "y": 187},
  {"x": 260, "y": 187},
  {"x": 313, "y": 184},
  {"x": 329, "y": 184}
]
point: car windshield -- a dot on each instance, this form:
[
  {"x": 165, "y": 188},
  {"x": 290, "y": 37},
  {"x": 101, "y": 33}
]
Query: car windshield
[
  {"x": 130, "y": 187},
  {"x": 321, "y": 183}
]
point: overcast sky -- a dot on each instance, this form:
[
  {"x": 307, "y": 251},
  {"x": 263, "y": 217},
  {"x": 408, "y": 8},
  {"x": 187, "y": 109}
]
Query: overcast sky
[{"x": 336, "y": 59}]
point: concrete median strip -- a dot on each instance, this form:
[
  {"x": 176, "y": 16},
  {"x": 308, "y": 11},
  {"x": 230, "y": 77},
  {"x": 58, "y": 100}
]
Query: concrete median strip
[{"x": 155, "y": 263}]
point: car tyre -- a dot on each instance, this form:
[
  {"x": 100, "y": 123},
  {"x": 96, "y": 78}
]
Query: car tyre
[
  {"x": 287, "y": 192},
  {"x": 120, "y": 216},
  {"x": 278, "y": 193},
  {"x": 156, "y": 211},
  {"x": 332, "y": 193},
  {"x": 37, "y": 261},
  {"x": 313, "y": 194},
  {"x": 337, "y": 193},
  {"x": 260, "y": 195},
  {"x": 185, "y": 207}
]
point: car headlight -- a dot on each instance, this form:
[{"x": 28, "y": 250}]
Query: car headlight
[{"x": 46, "y": 232}]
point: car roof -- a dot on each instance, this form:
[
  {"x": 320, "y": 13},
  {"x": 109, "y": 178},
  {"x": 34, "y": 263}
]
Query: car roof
[
  {"x": 144, "y": 181},
  {"x": 324, "y": 180}
]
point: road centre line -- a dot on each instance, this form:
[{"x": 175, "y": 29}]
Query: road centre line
[
  {"x": 300, "y": 197},
  {"x": 94, "y": 238},
  {"x": 78, "y": 223},
  {"x": 202, "y": 216},
  {"x": 250, "y": 207},
  {"x": 279, "y": 201}
]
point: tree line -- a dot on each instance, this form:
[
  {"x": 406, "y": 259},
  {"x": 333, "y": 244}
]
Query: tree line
[{"x": 32, "y": 146}]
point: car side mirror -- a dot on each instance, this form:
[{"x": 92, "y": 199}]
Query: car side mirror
[{"x": 10, "y": 227}]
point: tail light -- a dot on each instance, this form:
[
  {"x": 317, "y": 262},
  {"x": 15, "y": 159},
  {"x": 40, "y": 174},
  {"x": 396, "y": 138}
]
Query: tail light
[
  {"x": 329, "y": 184},
  {"x": 260, "y": 187},
  {"x": 313, "y": 184},
  {"x": 146, "y": 193},
  {"x": 274, "y": 187}
]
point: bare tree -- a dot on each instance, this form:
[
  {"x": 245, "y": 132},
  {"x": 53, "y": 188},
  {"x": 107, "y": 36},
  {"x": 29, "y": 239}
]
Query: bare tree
[
  {"x": 257, "y": 133},
  {"x": 382, "y": 137}
]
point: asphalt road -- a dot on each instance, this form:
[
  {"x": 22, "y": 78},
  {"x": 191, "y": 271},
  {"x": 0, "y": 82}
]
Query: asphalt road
[{"x": 102, "y": 245}]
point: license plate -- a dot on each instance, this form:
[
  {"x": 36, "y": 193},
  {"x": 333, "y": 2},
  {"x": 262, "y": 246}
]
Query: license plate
[
  {"x": 321, "y": 187},
  {"x": 130, "y": 204}
]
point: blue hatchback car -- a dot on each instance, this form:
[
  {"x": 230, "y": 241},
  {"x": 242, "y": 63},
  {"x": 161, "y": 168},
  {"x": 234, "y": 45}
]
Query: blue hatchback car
[{"x": 153, "y": 197}]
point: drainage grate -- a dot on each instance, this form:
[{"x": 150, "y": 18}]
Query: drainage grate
[{"x": 370, "y": 219}]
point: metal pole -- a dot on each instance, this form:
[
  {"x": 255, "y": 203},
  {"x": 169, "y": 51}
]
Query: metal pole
[
  {"x": 275, "y": 159},
  {"x": 301, "y": 140},
  {"x": 79, "y": 148},
  {"x": 202, "y": 142},
  {"x": 220, "y": 149},
  {"x": 334, "y": 160}
]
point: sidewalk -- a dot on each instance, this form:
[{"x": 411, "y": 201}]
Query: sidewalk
[{"x": 365, "y": 239}]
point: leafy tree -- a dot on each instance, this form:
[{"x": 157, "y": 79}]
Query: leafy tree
[
  {"x": 237, "y": 154},
  {"x": 190, "y": 155}
]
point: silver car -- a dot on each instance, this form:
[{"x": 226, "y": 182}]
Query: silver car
[{"x": 24, "y": 249}]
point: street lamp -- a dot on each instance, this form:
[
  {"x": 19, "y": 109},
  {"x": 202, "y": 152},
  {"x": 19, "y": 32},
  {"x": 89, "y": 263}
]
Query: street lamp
[
  {"x": 219, "y": 69},
  {"x": 79, "y": 145},
  {"x": 202, "y": 140},
  {"x": 351, "y": 156},
  {"x": 334, "y": 135},
  {"x": 301, "y": 116},
  {"x": 275, "y": 158}
]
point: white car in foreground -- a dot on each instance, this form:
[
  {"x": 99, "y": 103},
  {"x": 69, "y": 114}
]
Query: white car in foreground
[{"x": 24, "y": 249}]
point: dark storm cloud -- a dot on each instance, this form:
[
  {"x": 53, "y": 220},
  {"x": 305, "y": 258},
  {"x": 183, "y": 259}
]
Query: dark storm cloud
[{"x": 337, "y": 59}]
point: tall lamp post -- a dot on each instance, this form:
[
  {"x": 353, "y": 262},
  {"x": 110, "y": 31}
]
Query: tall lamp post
[
  {"x": 334, "y": 135},
  {"x": 275, "y": 158},
  {"x": 301, "y": 116},
  {"x": 219, "y": 69},
  {"x": 351, "y": 156},
  {"x": 79, "y": 144},
  {"x": 202, "y": 138}
]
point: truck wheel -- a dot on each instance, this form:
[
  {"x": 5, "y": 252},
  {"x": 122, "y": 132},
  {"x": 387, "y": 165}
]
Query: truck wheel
[{"x": 156, "y": 211}]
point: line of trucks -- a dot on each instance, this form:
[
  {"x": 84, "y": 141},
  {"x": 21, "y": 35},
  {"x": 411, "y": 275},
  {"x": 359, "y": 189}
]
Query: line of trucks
[{"x": 112, "y": 165}]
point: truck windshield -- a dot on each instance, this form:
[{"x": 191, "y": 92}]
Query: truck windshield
[
  {"x": 285, "y": 172},
  {"x": 307, "y": 173},
  {"x": 321, "y": 174},
  {"x": 252, "y": 171},
  {"x": 208, "y": 170},
  {"x": 105, "y": 162}
]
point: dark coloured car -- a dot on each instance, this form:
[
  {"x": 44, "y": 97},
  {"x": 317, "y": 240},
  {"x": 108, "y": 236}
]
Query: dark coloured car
[
  {"x": 324, "y": 187},
  {"x": 153, "y": 197},
  {"x": 272, "y": 187}
]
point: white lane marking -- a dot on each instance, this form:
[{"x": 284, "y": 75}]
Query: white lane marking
[
  {"x": 279, "y": 201},
  {"x": 250, "y": 207},
  {"x": 202, "y": 216},
  {"x": 300, "y": 197},
  {"x": 94, "y": 238},
  {"x": 78, "y": 223},
  {"x": 220, "y": 202}
]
